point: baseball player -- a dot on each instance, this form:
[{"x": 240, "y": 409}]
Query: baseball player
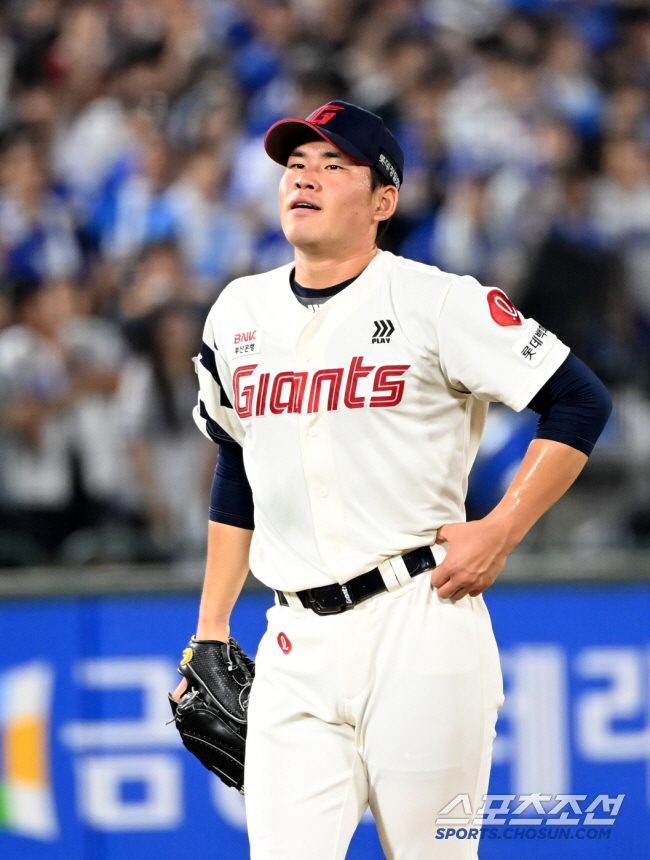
[{"x": 349, "y": 391}]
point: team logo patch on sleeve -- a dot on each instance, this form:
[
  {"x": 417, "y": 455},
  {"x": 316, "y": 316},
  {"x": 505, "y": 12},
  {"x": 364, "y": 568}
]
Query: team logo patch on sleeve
[
  {"x": 502, "y": 309},
  {"x": 534, "y": 344}
]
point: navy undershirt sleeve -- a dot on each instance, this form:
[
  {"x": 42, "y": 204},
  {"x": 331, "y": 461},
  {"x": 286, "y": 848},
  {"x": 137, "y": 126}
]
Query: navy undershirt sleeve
[
  {"x": 231, "y": 499},
  {"x": 574, "y": 406}
]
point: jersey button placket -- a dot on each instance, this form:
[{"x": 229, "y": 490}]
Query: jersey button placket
[{"x": 326, "y": 510}]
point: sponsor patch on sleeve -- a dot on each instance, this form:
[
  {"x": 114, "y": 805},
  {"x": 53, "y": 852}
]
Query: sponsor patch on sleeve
[
  {"x": 534, "y": 344},
  {"x": 246, "y": 343}
]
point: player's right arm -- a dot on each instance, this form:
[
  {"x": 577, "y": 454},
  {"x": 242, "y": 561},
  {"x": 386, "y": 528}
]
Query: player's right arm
[
  {"x": 225, "y": 572},
  {"x": 230, "y": 529},
  {"x": 231, "y": 525}
]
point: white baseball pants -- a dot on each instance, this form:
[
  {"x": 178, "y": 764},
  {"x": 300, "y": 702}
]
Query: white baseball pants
[{"x": 391, "y": 704}]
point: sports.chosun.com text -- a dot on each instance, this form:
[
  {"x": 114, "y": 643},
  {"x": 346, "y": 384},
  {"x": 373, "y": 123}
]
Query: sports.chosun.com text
[{"x": 523, "y": 833}]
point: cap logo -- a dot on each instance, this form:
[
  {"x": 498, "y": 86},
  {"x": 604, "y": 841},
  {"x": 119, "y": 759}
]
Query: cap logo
[{"x": 324, "y": 114}]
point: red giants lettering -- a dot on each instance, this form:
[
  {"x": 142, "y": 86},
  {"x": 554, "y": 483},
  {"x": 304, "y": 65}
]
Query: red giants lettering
[
  {"x": 357, "y": 372},
  {"x": 288, "y": 389},
  {"x": 334, "y": 377},
  {"x": 395, "y": 389},
  {"x": 296, "y": 388},
  {"x": 262, "y": 388},
  {"x": 243, "y": 397}
]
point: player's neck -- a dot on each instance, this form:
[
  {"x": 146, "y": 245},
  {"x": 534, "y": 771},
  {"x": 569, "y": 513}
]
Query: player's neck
[{"x": 322, "y": 272}]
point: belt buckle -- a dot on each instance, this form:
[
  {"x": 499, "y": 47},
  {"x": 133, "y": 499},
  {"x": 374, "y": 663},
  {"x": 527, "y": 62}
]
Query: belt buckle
[{"x": 319, "y": 609}]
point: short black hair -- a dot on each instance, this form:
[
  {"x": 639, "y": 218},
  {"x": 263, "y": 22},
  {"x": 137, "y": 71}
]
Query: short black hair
[{"x": 378, "y": 180}]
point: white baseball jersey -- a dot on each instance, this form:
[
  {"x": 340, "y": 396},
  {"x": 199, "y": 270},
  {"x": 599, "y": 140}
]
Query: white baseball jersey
[{"x": 360, "y": 422}]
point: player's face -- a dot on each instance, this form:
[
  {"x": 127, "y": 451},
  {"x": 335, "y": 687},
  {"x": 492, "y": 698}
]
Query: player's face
[{"x": 326, "y": 203}]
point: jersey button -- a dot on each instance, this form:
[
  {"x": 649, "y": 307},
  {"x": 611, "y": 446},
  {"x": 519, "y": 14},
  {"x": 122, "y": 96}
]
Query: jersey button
[
  {"x": 306, "y": 356},
  {"x": 313, "y": 431},
  {"x": 335, "y": 549},
  {"x": 323, "y": 492}
]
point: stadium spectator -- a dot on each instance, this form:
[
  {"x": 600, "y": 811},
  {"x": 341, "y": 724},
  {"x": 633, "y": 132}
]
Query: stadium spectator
[
  {"x": 171, "y": 463},
  {"x": 569, "y": 88},
  {"x": 216, "y": 244},
  {"x": 158, "y": 278},
  {"x": 37, "y": 231},
  {"x": 621, "y": 209},
  {"x": 58, "y": 374},
  {"x": 121, "y": 221}
]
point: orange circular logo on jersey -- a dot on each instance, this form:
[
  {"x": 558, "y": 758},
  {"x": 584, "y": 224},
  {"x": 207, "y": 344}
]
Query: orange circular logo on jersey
[
  {"x": 502, "y": 309},
  {"x": 283, "y": 642}
]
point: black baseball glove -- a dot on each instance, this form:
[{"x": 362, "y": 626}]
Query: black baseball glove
[{"x": 211, "y": 715}]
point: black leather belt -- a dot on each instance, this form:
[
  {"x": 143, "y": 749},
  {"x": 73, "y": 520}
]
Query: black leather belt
[{"x": 331, "y": 599}]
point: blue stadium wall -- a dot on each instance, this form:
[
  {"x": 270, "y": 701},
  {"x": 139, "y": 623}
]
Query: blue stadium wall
[{"x": 83, "y": 683}]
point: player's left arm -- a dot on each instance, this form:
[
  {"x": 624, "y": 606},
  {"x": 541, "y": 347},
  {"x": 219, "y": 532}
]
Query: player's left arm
[{"x": 574, "y": 407}]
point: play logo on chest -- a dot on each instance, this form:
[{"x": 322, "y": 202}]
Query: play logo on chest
[{"x": 383, "y": 331}]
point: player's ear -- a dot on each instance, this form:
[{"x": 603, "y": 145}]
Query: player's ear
[{"x": 387, "y": 202}]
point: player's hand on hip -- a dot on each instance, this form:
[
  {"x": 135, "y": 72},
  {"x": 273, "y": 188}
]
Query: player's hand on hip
[{"x": 475, "y": 557}]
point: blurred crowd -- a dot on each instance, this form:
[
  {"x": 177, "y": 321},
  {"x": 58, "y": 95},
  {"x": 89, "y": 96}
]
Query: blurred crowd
[{"x": 134, "y": 185}]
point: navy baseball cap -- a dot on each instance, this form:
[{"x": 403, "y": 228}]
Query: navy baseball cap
[{"x": 357, "y": 133}]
